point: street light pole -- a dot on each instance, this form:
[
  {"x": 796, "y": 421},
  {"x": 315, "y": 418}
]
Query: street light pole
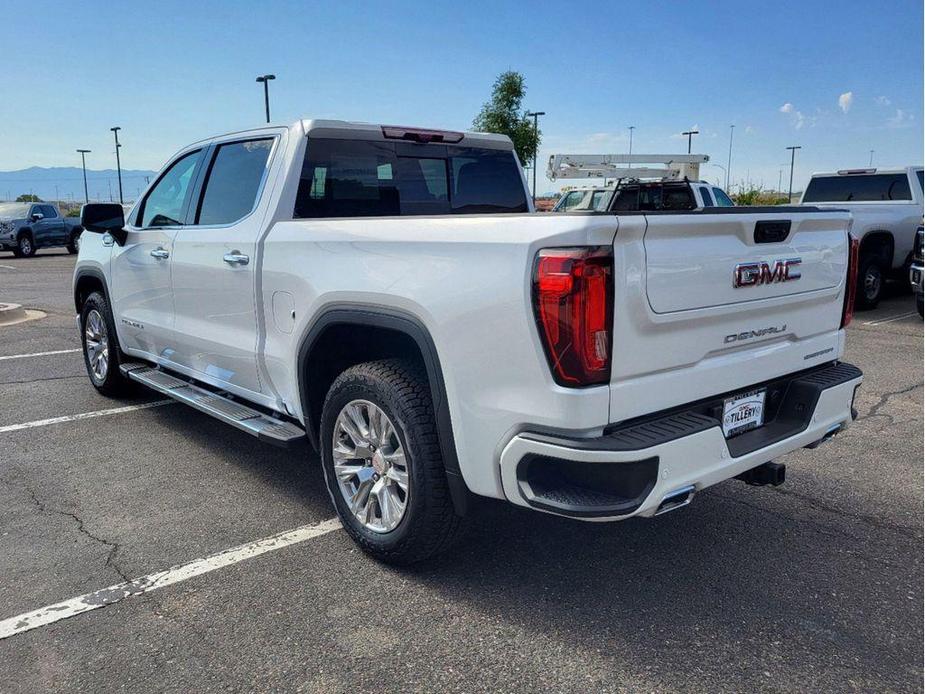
[
  {"x": 83, "y": 162},
  {"x": 632, "y": 128},
  {"x": 690, "y": 135},
  {"x": 793, "y": 154},
  {"x": 871, "y": 158},
  {"x": 266, "y": 92},
  {"x": 115, "y": 132},
  {"x": 729, "y": 162},
  {"x": 536, "y": 131}
]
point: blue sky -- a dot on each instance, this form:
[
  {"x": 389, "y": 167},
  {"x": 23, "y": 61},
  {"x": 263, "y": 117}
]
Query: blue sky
[{"x": 173, "y": 72}]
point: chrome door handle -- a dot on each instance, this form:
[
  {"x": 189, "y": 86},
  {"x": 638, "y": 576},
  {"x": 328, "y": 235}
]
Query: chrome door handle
[
  {"x": 236, "y": 258},
  {"x": 160, "y": 253}
]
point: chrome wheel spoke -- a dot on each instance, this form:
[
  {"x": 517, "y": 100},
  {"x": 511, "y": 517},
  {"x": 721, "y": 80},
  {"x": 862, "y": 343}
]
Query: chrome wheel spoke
[
  {"x": 370, "y": 467},
  {"x": 96, "y": 343}
]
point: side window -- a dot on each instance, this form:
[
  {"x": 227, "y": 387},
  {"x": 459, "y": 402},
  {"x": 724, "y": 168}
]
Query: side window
[
  {"x": 571, "y": 200},
  {"x": 722, "y": 200},
  {"x": 164, "y": 204},
  {"x": 34, "y": 210},
  {"x": 626, "y": 200},
  {"x": 921, "y": 176},
  {"x": 49, "y": 212},
  {"x": 707, "y": 198},
  {"x": 233, "y": 181}
]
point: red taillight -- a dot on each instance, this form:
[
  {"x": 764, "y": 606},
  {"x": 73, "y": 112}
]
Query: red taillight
[
  {"x": 573, "y": 301},
  {"x": 848, "y": 310}
]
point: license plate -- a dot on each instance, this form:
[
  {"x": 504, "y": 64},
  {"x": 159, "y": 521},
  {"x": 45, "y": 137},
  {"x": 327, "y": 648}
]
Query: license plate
[{"x": 743, "y": 412}]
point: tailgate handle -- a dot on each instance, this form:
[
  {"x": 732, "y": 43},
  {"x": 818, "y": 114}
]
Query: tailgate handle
[{"x": 772, "y": 232}]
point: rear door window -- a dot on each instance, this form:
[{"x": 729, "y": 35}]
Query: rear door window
[
  {"x": 357, "y": 178},
  {"x": 707, "y": 198},
  {"x": 233, "y": 181},
  {"x": 858, "y": 188}
]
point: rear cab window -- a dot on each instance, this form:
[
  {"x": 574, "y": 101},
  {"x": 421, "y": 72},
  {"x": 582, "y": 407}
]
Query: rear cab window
[
  {"x": 722, "y": 200},
  {"x": 859, "y": 188},
  {"x": 707, "y": 198},
  {"x": 372, "y": 178}
]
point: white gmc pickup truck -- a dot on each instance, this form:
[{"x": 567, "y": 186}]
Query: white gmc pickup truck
[{"x": 389, "y": 294}]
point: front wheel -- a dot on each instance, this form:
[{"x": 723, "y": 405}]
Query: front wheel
[
  {"x": 382, "y": 462},
  {"x": 26, "y": 246},
  {"x": 101, "y": 347}
]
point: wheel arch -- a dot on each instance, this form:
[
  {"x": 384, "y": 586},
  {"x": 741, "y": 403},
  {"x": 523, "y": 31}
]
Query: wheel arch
[
  {"x": 86, "y": 281},
  {"x": 881, "y": 242},
  {"x": 404, "y": 333}
]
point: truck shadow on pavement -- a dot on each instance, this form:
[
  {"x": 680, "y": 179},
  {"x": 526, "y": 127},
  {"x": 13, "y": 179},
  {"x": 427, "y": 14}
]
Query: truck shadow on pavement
[{"x": 743, "y": 580}]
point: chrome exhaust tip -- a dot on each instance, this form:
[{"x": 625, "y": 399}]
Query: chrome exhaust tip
[{"x": 675, "y": 500}]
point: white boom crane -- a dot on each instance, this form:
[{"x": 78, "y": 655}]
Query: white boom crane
[{"x": 618, "y": 166}]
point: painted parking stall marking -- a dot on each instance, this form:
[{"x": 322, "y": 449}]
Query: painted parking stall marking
[
  {"x": 38, "y": 354},
  {"x": 161, "y": 579},
  {"x": 83, "y": 415}
]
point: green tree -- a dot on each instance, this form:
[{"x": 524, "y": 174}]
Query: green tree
[
  {"x": 28, "y": 198},
  {"x": 504, "y": 115}
]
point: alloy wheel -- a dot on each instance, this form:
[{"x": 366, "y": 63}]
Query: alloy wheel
[
  {"x": 97, "y": 342},
  {"x": 370, "y": 465}
]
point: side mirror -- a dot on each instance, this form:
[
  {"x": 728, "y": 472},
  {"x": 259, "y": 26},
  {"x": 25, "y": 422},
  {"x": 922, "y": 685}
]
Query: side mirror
[
  {"x": 37, "y": 216},
  {"x": 104, "y": 218}
]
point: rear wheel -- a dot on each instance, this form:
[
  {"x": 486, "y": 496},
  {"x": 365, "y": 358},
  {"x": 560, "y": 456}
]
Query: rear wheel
[
  {"x": 919, "y": 306},
  {"x": 26, "y": 246},
  {"x": 870, "y": 282},
  {"x": 101, "y": 347},
  {"x": 73, "y": 245},
  {"x": 382, "y": 462}
]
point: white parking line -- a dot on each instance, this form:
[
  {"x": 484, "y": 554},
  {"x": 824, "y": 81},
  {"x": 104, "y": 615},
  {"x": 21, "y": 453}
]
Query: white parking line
[
  {"x": 83, "y": 415},
  {"x": 145, "y": 584},
  {"x": 890, "y": 320},
  {"x": 9, "y": 267},
  {"x": 38, "y": 354}
]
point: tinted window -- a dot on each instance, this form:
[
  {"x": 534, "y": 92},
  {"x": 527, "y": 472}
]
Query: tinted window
[
  {"x": 233, "y": 181},
  {"x": 345, "y": 178},
  {"x": 571, "y": 200},
  {"x": 722, "y": 200},
  {"x": 164, "y": 204},
  {"x": 707, "y": 198},
  {"x": 858, "y": 188},
  {"x": 920, "y": 174},
  {"x": 626, "y": 200},
  {"x": 599, "y": 199},
  {"x": 49, "y": 212}
]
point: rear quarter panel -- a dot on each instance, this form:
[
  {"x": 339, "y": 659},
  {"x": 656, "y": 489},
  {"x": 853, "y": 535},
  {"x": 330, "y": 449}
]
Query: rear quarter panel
[{"x": 467, "y": 279}]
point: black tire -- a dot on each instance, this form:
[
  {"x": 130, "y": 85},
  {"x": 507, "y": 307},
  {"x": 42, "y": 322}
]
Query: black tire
[
  {"x": 400, "y": 389},
  {"x": 16, "y": 253},
  {"x": 113, "y": 384},
  {"x": 73, "y": 245},
  {"x": 25, "y": 245},
  {"x": 871, "y": 280},
  {"x": 919, "y": 306}
]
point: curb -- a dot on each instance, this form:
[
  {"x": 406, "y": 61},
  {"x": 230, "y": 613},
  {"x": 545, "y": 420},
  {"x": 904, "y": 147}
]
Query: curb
[{"x": 10, "y": 314}]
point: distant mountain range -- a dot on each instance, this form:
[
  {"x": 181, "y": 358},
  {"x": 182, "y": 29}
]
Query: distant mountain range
[{"x": 66, "y": 183}]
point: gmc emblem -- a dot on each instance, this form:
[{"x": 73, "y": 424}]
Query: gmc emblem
[{"x": 753, "y": 274}]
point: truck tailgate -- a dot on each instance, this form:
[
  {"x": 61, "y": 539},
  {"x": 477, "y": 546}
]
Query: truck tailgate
[{"x": 709, "y": 303}]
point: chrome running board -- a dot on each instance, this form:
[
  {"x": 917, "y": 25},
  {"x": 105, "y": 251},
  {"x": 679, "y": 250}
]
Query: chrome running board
[{"x": 279, "y": 432}]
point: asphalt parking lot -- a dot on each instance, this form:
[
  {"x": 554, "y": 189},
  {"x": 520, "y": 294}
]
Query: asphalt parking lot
[{"x": 815, "y": 585}]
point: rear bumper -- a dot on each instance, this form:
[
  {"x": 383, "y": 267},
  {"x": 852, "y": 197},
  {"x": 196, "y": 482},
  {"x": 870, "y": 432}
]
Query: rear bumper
[
  {"x": 915, "y": 277},
  {"x": 633, "y": 469}
]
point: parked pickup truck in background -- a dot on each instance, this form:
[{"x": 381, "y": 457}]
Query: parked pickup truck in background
[
  {"x": 27, "y": 226},
  {"x": 644, "y": 195},
  {"x": 887, "y": 208},
  {"x": 389, "y": 294}
]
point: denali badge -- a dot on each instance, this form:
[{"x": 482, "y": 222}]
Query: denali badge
[
  {"x": 753, "y": 274},
  {"x": 748, "y": 335}
]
